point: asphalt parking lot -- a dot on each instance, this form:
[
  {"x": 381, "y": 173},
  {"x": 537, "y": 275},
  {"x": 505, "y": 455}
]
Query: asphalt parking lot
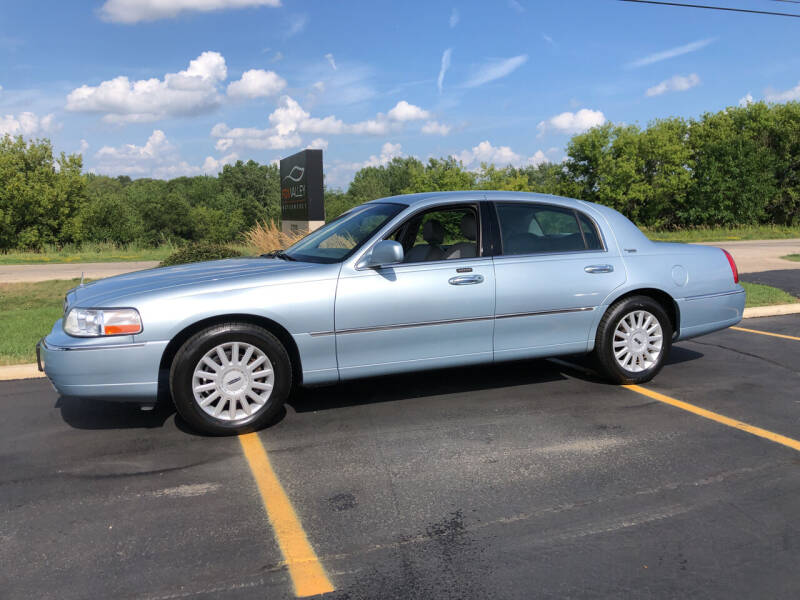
[{"x": 527, "y": 480}]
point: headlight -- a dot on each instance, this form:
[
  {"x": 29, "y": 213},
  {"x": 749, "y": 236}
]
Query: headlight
[{"x": 92, "y": 322}]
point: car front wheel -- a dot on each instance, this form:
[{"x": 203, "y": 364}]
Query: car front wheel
[
  {"x": 230, "y": 378},
  {"x": 633, "y": 340}
]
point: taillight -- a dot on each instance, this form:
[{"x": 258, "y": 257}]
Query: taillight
[{"x": 732, "y": 263}]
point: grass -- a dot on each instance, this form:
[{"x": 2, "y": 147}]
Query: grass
[
  {"x": 266, "y": 237},
  {"x": 794, "y": 257},
  {"x": 765, "y": 295},
  {"x": 28, "y": 311},
  {"x": 88, "y": 253},
  {"x": 725, "y": 234},
  {"x": 99, "y": 253}
]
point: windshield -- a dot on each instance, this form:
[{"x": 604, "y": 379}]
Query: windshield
[{"x": 340, "y": 238}]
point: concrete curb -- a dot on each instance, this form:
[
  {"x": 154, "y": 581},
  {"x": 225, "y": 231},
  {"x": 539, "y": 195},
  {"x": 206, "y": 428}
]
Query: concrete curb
[
  {"x": 30, "y": 371},
  {"x": 772, "y": 311}
]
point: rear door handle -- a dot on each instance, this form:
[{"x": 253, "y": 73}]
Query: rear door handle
[
  {"x": 599, "y": 268},
  {"x": 466, "y": 280}
]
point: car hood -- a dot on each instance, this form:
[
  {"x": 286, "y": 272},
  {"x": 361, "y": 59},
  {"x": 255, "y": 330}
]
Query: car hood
[{"x": 181, "y": 278}]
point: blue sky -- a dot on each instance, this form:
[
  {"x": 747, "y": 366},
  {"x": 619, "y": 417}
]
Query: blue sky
[{"x": 179, "y": 87}]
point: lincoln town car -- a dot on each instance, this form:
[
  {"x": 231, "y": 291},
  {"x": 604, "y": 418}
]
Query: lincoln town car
[{"x": 400, "y": 284}]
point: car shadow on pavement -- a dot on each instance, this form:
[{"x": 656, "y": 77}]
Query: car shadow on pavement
[
  {"x": 98, "y": 414},
  {"x": 421, "y": 384}
]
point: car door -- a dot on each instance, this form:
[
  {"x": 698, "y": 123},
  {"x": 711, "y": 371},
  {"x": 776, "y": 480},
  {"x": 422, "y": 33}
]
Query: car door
[
  {"x": 553, "y": 270},
  {"x": 435, "y": 309}
]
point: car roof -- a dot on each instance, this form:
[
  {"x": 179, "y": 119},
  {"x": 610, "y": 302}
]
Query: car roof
[{"x": 474, "y": 195}]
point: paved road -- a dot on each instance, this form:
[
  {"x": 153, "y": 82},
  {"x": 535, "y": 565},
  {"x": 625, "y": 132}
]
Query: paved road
[
  {"x": 761, "y": 255},
  {"x": 516, "y": 481},
  {"x": 19, "y": 273}
]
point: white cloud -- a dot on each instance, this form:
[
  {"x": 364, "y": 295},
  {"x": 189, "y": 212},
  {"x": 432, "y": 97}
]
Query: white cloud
[
  {"x": 455, "y": 17},
  {"x": 787, "y": 96},
  {"x": 213, "y": 165},
  {"x": 156, "y": 145},
  {"x": 256, "y": 83},
  {"x": 27, "y": 124},
  {"x": 435, "y": 128},
  {"x": 319, "y": 143},
  {"x": 538, "y": 158},
  {"x": 388, "y": 152},
  {"x": 496, "y": 70},
  {"x": 677, "y": 83},
  {"x": 379, "y": 126},
  {"x": 134, "y": 11},
  {"x": 252, "y": 138},
  {"x": 156, "y": 158},
  {"x": 513, "y": 4},
  {"x": 182, "y": 93},
  {"x": 500, "y": 156},
  {"x": 486, "y": 153},
  {"x": 568, "y": 122},
  {"x": 84, "y": 146},
  {"x": 403, "y": 111},
  {"x": 340, "y": 173},
  {"x": 290, "y": 120},
  {"x": 746, "y": 100},
  {"x": 671, "y": 53},
  {"x": 446, "y": 56},
  {"x": 331, "y": 61}
]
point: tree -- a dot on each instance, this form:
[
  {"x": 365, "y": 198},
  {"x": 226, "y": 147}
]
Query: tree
[
  {"x": 734, "y": 169},
  {"x": 39, "y": 195}
]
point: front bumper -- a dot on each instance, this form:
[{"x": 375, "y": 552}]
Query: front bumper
[{"x": 117, "y": 369}]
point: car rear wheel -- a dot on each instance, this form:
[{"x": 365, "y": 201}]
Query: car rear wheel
[
  {"x": 230, "y": 378},
  {"x": 633, "y": 340}
]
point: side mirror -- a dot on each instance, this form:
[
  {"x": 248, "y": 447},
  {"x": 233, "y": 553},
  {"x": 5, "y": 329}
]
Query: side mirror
[{"x": 385, "y": 252}]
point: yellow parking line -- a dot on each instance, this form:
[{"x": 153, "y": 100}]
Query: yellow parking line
[
  {"x": 769, "y": 435},
  {"x": 777, "y": 335},
  {"x": 308, "y": 576}
]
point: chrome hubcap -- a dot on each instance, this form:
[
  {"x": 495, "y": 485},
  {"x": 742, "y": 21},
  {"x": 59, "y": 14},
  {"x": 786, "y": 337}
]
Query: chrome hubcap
[
  {"x": 233, "y": 381},
  {"x": 637, "y": 341}
]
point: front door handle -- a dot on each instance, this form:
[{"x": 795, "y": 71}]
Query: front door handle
[
  {"x": 599, "y": 268},
  {"x": 466, "y": 280}
]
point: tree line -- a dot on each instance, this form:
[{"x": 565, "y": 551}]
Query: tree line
[{"x": 739, "y": 166}]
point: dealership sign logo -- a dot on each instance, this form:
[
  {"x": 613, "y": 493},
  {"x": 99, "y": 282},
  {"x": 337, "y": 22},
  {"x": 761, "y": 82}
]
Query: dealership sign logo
[{"x": 295, "y": 189}]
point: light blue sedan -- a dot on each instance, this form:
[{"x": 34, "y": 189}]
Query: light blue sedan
[{"x": 406, "y": 283}]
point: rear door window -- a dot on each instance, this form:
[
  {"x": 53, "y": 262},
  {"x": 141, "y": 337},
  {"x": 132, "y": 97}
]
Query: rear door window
[{"x": 536, "y": 228}]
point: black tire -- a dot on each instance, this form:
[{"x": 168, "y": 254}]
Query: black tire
[
  {"x": 196, "y": 347},
  {"x": 604, "y": 342}
]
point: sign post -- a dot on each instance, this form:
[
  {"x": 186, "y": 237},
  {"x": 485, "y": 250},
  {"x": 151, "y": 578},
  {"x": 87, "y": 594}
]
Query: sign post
[{"x": 302, "y": 201}]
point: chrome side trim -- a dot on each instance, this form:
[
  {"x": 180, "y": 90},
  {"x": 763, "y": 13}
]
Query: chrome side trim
[
  {"x": 47, "y": 346},
  {"x": 545, "y": 312},
  {"x": 715, "y": 295},
  {"x": 451, "y": 321},
  {"x": 401, "y": 326}
]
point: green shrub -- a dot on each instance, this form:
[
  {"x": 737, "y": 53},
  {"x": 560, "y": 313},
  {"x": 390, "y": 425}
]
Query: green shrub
[{"x": 199, "y": 253}]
